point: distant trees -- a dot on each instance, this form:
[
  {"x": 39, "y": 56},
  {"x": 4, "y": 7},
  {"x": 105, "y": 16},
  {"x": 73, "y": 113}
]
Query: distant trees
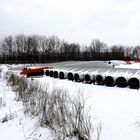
[
  {"x": 97, "y": 46},
  {"x": 35, "y": 49},
  {"x": 7, "y": 49},
  {"x": 97, "y": 49},
  {"x": 118, "y": 52},
  {"x": 69, "y": 51},
  {"x": 136, "y": 52}
]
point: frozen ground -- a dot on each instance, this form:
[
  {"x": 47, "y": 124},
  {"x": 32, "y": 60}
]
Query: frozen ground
[
  {"x": 117, "y": 109},
  {"x": 18, "y": 126}
]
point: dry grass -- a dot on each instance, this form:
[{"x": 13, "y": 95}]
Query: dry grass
[
  {"x": 65, "y": 116},
  {"x": 2, "y": 102}
]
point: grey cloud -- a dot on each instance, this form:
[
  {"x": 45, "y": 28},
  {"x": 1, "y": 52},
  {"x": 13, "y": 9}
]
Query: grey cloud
[{"x": 112, "y": 21}]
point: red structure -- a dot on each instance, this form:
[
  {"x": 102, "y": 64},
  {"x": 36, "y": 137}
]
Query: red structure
[
  {"x": 136, "y": 61},
  {"x": 34, "y": 71},
  {"x": 127, "y": 62}
]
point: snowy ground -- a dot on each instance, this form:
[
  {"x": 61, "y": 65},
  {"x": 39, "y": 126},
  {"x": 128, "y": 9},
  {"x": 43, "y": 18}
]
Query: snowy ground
[
  {"x": 117, "y": 109},
  {"x": 18, "y": 126}
]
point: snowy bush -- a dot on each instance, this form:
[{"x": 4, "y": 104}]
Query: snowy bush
[
  {"x": 19, "y": 85},
  {"x": 13, "y": 80},
  {"x": 26, "y": 90},
  {"x": 23, "y": 87},
  {"x": 0, "y": 72},
  {"x": 35, "y": 101},
  {"x": 66, "y": 117},
  {"x": 7, "y": 74},
  {"x": 7, "y": 117},
  {"x": 2, "y": 102}
]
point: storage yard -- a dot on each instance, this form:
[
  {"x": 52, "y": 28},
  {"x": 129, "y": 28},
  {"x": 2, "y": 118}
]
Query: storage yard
[{"x": 113, "y": 105}]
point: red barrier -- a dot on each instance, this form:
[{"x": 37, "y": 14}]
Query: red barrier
[
  {"x": 127, "y": 62},
  {"x": 25, "y": 72},
  {"x": 136, "y": 61}
]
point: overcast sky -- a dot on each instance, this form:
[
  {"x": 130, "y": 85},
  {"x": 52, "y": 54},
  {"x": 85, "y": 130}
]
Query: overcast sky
[{"x": 111, "y": 21}]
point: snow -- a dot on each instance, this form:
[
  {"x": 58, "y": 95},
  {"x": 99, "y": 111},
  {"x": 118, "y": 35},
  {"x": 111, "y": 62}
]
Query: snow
[
  {"x": 117, "y": 109},
  {"x": 130, "y": 66},
  {"x": 18, "y": 126}
]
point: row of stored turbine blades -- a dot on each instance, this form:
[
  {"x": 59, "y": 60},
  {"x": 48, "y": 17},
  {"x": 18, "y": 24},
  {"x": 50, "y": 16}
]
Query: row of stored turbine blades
[{"x": 96, "y": 72}]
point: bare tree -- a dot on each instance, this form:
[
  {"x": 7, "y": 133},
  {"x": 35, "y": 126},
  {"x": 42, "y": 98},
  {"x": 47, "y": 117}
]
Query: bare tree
[
  {"x": 136, "y": 52},
  {"x": 97, "y": 46},
  {"x": 52, "y": 47},
  {"x": 70, "y": 51},
  {"x": 117, "y": 48},
  {"x": 20, "y": 45},
  {"x": 7, "y": 48},
  {"x": 128, "y": 52}
]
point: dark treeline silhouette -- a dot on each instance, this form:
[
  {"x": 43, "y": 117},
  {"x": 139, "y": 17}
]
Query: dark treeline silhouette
[{"x": 41, "y": 49}]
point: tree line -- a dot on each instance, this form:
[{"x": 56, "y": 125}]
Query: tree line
[{"x": 42, "y": 49}]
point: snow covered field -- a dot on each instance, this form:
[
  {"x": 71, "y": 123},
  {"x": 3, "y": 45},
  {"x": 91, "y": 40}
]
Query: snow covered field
[{"x": 116, "y": 109}]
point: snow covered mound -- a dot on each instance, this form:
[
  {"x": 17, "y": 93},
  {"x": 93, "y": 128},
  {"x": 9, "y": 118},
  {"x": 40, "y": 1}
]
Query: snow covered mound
[{"x": 130, "y": 66}]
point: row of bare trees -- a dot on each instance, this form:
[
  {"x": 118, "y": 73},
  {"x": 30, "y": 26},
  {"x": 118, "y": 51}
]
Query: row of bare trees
[{"x": 35, "y": 49}]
